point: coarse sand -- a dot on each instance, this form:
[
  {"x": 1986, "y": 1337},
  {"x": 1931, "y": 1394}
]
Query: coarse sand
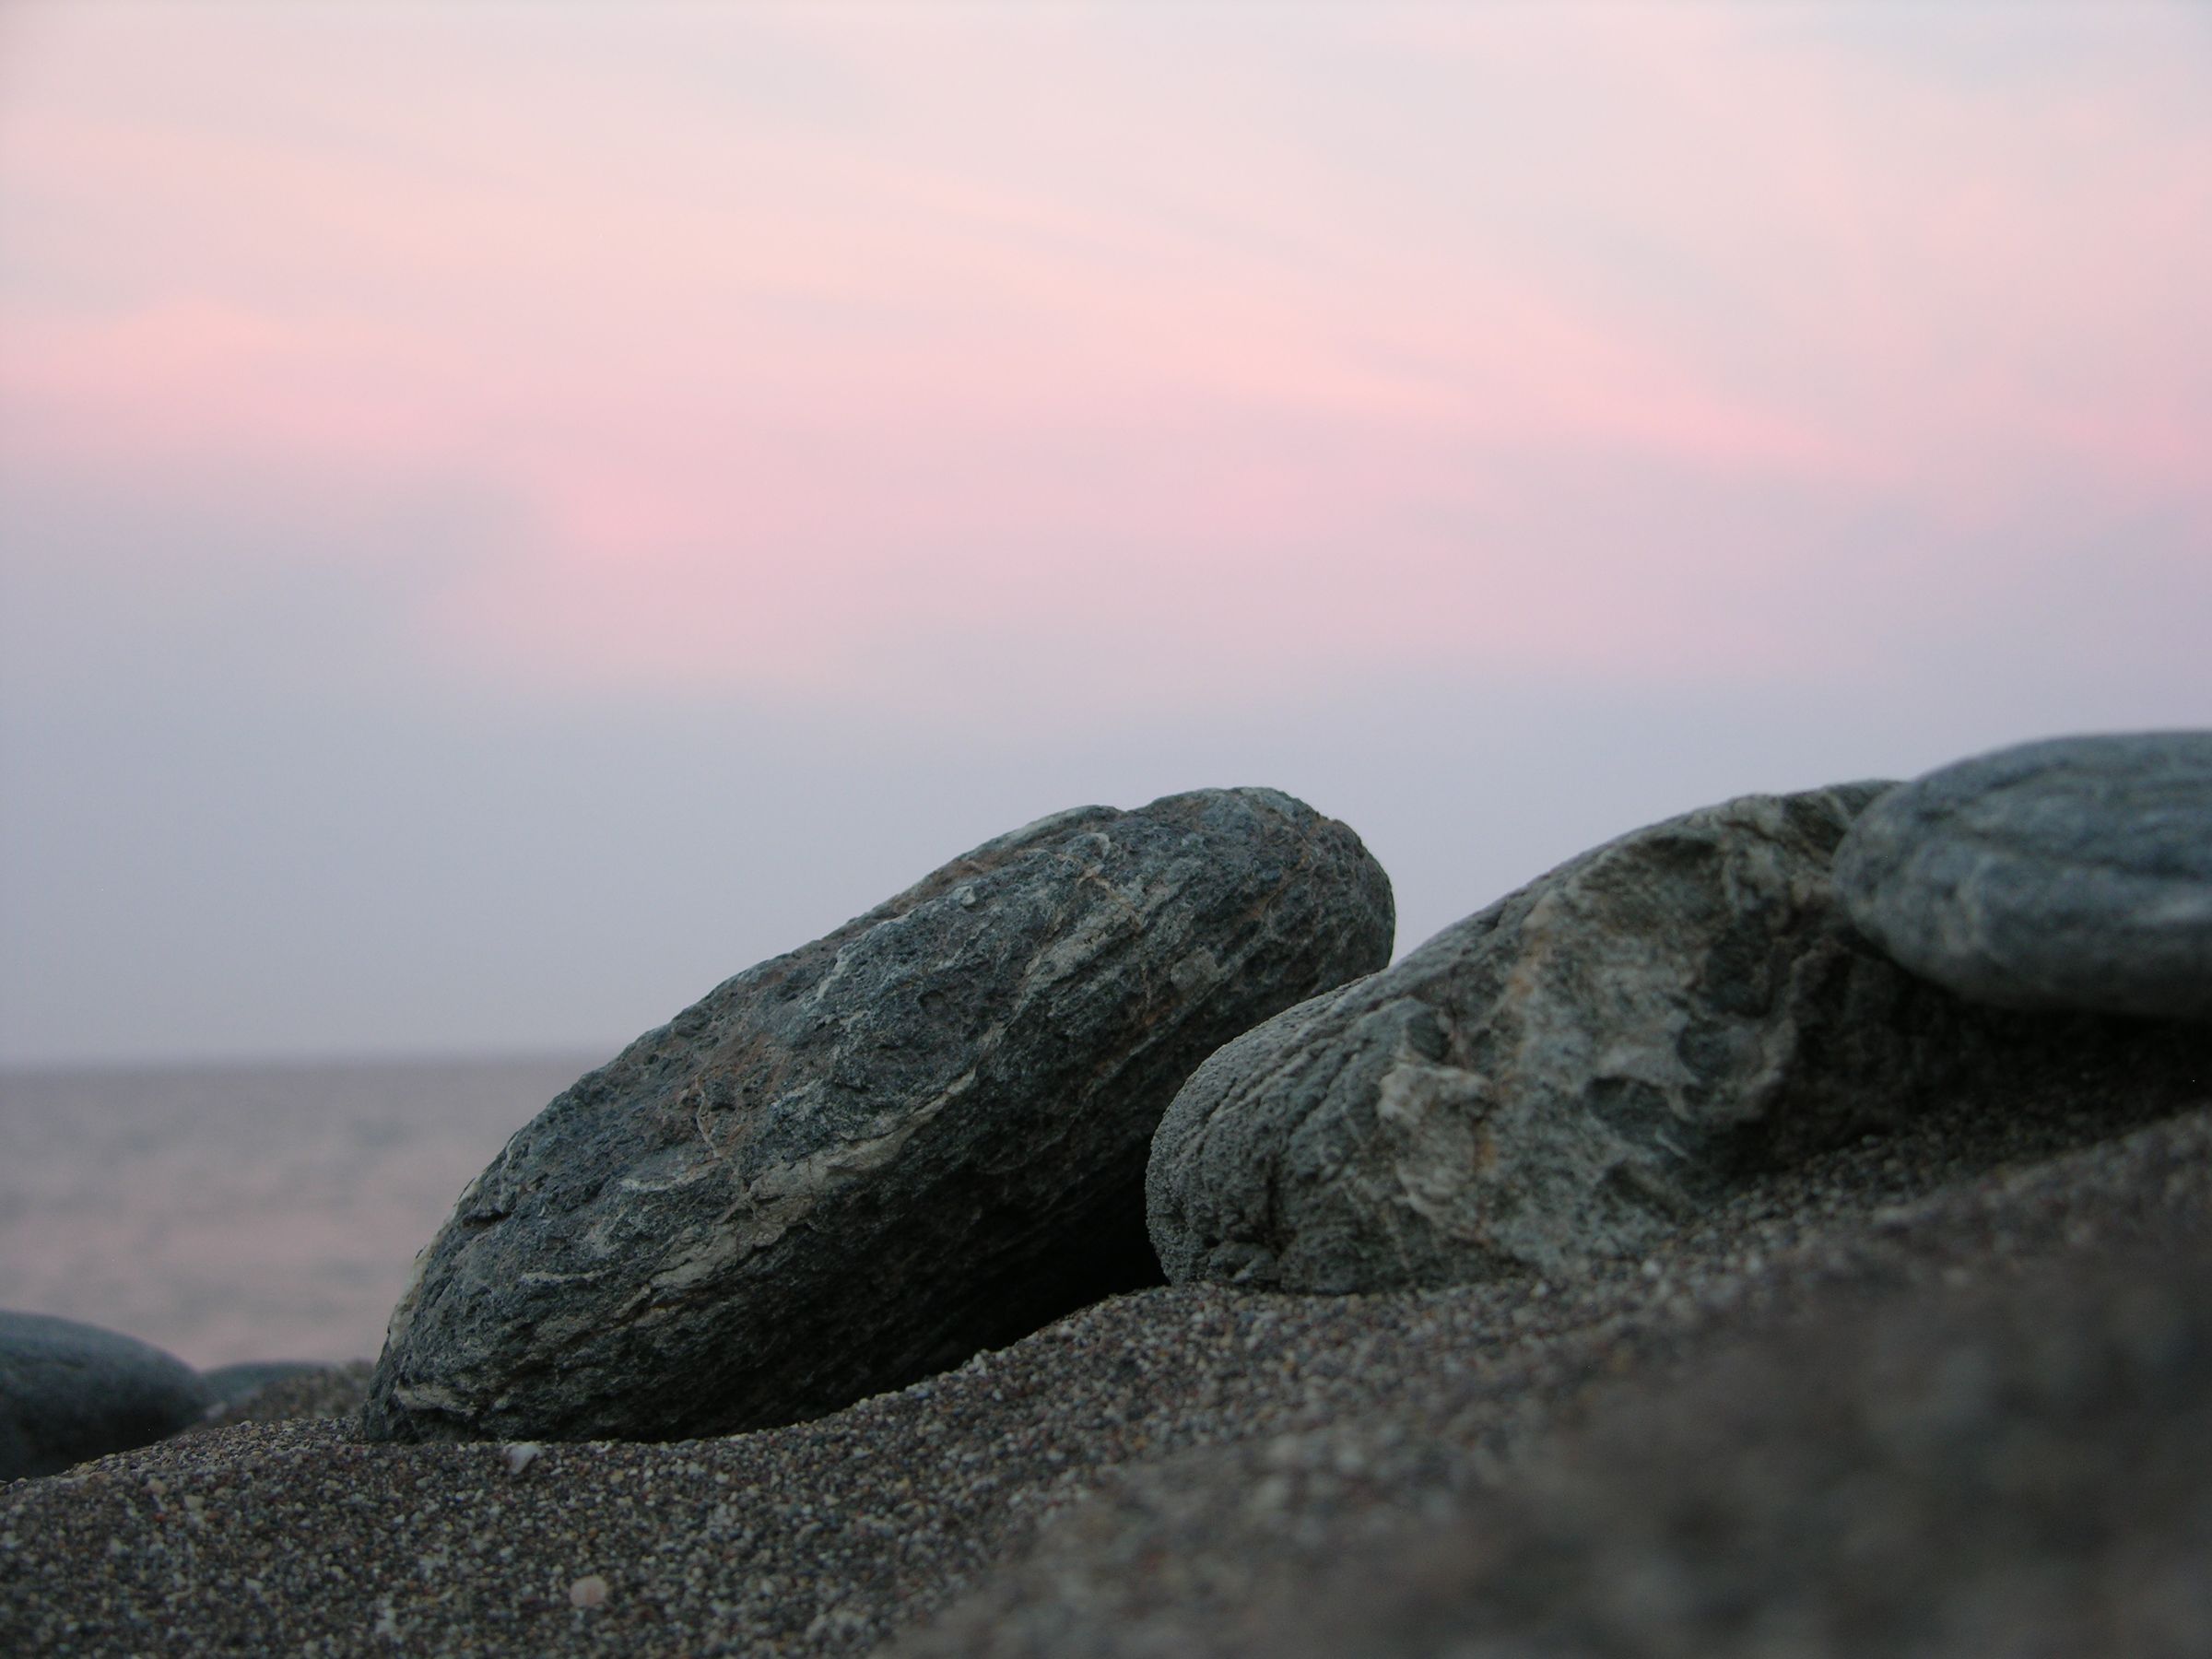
[{"x": 1200, "y": 1459}]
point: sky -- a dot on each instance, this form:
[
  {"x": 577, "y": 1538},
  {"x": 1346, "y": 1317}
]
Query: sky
[{"x": 512, "y": 513}]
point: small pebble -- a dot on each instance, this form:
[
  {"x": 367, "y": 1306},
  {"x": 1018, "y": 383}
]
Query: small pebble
[{"x": 589, "y": 1591}]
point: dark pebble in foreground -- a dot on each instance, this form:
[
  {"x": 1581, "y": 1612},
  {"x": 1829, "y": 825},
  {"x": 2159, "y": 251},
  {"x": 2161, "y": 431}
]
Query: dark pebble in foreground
[{"x": 69, "y": 1392}]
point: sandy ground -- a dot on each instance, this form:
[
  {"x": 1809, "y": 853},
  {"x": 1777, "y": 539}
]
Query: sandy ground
[{"x": 1166, "y": 1472}]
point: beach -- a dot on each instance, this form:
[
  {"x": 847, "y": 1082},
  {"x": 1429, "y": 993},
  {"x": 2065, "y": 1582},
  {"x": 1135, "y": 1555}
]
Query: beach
[{"x": 1149, "y": 1475}]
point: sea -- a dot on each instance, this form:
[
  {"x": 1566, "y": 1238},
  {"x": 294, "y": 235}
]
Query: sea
[{"x": 245, "y": 1212}]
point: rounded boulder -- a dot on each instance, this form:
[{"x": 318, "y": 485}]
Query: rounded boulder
[
  {"x": 857, "y": 1164},
  {"x": 1567, "y": 1075},
  {"x": 2072, "y": 874},
  {"x": 69, "y": 1392}
]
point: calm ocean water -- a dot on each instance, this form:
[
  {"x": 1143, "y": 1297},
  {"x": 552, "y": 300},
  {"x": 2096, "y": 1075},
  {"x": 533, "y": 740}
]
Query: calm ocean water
[{"x": 266, "y": 1212}]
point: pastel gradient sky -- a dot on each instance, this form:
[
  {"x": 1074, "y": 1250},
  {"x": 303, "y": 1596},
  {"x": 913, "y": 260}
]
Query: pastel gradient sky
[{"x": 510, "y": 513}]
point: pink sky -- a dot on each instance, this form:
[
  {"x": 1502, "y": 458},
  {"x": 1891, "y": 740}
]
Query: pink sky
[
  {"x": 775, "y": 340},
  {"x": 510, "y": 512}
]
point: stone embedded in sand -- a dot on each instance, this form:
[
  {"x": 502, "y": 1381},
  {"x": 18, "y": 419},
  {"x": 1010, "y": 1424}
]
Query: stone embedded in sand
[
  {"x": 318, "y": 1391},
  {"x": 857, "y": 1164},
  {"x": 2075, "y": 873},
  {"x": 590, "y": 1590},
  {"x": 235, "y": 1387},
  {"x": 1566, "y": 1075},
  {"x": 69, "y": 1392}
]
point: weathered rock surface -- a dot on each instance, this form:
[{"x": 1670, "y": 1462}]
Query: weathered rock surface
[
  {"x": 848, "y": 1167},
  {"x": 1565, "y": 1075},
  {"x": 69, "y": 1392},
  {"x": 2075, "y": 872}
]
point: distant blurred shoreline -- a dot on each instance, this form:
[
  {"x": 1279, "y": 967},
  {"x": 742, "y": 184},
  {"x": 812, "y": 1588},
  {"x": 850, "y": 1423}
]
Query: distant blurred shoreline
[{"x": 235, "y": 1211}]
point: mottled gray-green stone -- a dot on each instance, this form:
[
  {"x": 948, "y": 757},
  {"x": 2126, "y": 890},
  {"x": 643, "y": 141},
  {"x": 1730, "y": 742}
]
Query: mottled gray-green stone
[
  {"x": 2070, "y": 873},
  {"x": 1569, "y": 1073},
  {"x": 849, "y": 1167}
]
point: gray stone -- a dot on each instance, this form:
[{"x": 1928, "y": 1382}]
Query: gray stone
[
  {"x": 1568, "y": 1073},
  {"x": 2071, "y": 874},
  {"x": 849, "y": 1167},
  {"x": 234, "y": 1385},
  {"x": 69, "y": 1392},
  {"x": 289, "y": 1393}
]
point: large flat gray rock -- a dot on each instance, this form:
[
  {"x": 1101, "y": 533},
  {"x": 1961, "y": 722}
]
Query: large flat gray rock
[
  {"x": 1566, "y": 1075},
  {"x": 69, "y": 1392},
  {"x": 850, "y": 1166},
  {"x": 2072, "y": 874}
]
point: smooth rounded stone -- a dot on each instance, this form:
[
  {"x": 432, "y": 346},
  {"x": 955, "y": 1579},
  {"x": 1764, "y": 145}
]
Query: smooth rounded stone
[
  {"x": 2071, "y": 874},
  {"x": 847, "y": 1168},
  {"x": 69, "y": 1392},
  {"x": 1566, "y": 1075}
]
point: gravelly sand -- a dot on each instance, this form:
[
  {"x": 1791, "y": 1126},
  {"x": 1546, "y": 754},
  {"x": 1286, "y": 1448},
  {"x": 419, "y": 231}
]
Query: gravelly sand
[
  {"x": 1233, "y": 1442},
  {"x": 335, "y": 1391},
  {"x": 2021, "y": 1466},
  {"x": 1867, "y": 1451}
]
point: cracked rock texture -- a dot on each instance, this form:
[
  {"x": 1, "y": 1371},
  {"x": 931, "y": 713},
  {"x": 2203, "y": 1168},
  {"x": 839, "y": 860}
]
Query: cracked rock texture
[
  {"x": 2072, "y": 874},
  {"x": 851, "y": 1166},
  {"x": 1566, "y": 1075}
]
